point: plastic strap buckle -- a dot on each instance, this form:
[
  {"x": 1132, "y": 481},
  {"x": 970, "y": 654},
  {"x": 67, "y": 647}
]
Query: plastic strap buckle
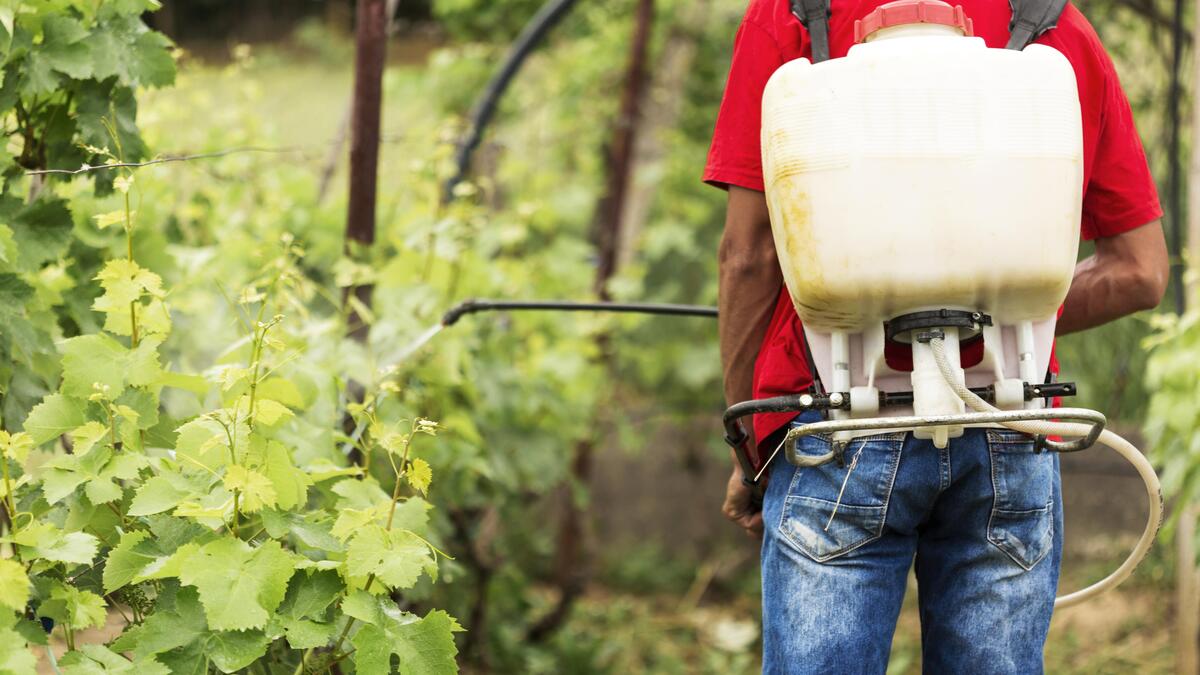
[
  {"x": 1031, "y": 18},
  {"x": 814, "y": 16}
]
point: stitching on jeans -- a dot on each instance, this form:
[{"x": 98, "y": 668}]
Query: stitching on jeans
[
  {"x": 895, "y": 439},
  {"x": 995, "y": 436}
]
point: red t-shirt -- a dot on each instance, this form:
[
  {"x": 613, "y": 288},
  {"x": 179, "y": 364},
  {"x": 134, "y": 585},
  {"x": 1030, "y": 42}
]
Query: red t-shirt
[{"x": 1119, "y": 193}]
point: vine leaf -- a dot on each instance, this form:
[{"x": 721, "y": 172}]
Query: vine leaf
[
  {"x": 177, "y": 634},
  {"x": 420, "y": 475},
  {"x": 45, "y": 541},
  {"x": 99, "y": 660},
  {"x": 290, "y": 483},
  {"x": 14, "y": 656},
  {"x": 78, "y": 608},
  {"x": 53, "y": 417},
  {"x": 162, "y": 493},
  {"x": 41, "y": 230},
  {"x": 239, "y": 586},
  {"x": 125, "y": 283},
  {"x": 424, "y": 646},
  {"x": 396, "y": 558},
  {"x": 14, "y": 585},
  {"x": 91, "y": 360},
  {"x": 127, "y": 560},
  {"x": 97, "y": 470},
  {"x": 256, "y": 490}
]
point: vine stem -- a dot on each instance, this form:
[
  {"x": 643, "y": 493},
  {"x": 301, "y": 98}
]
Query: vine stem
[
  {"x": 387, "y": 528},
  {"x": 236, "y": 494},
  {"x": 133, "y": 322},
  {"x": 9, "y": 504},
  {"x": 260, "y": 336}
]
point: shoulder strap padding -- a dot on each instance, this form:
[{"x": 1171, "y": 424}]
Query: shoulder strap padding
[
  {"x": 1031, "y": 18},
  {"x": 814, "y": 16}
]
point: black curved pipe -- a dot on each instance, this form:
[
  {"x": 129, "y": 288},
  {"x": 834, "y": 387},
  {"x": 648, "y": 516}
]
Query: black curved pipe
[
  {"x": 546, "y": 18},
  {"x": 473, "y": 306}
]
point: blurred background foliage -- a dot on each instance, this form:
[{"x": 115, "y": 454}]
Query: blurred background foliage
[{"x": 519, "y": 393}]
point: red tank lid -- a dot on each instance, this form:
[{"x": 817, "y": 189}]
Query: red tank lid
[{"x": 903, "y": 12}]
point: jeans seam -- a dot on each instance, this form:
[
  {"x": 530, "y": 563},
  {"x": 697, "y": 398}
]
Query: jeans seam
[
  {"x": 996, "y": 509},
  {"x": 946, "y": 477}
]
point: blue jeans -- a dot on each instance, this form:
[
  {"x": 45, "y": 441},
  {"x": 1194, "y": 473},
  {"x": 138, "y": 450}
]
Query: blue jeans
[{"x": 982, "y": 518}]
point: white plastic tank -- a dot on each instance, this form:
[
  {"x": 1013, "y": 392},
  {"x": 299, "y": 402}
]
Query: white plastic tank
[{"x": 924, "y": 170}]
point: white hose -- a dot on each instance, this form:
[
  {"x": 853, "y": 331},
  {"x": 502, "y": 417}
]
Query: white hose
[{"x": 1123, "y": 447}]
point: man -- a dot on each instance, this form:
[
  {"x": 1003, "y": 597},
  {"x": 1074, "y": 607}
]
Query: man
[{"x": 830, "y": 606}]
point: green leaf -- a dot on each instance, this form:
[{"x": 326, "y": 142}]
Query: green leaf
[
  {"x": 15, "y": 657},
  {"x": 423, "y": 646},
  {"x": 269, "y": 414},
  {"x": 13, "y": 293},
  {"x": 412, "y": 514},
  {"x": 86, "y": 436},
  {"x": 99, "y": 660},
  {"x": 41, "y": 230},
  {"x": 279, "y": 389},
  {"x": 350, "y": 521},
  {"x": 98, "y": 470},
  {"x": 193, "y": 383},
  {"x": 290, "y": 483},
  {"x": 203, "y": 442},
  {"x": 239, "y": 586},
  {"x": 396, "y": 558},
  {"x": 426, "y": 646},
  {"x": 305, "y": 634},
  {"x": 158, "y": 494},
  {"x": 311, "y": 531},
  {"x": 70, "y": 605},
  {"x": 14, "y": 585},
  {"x": 177, "y": 633},
  {"x": 419, "y": 475},
  {"x": 99, "y": 364},
  {"x": 360, "y": 494},
  {"x": 256, "y": 490},
  {"x": 126, "y": 561},
  {"x": 322, "y": 470},
  {"x": 310, "y": 594},
  {"x": 53, "y": 417},
  {"x": 177, "y": 621},
  {"x": 152, "y": 64},
  {"x": 125, "y": 283},
  {"x": 372, "y": 651},
  {"x": 45, "y": 541},
  {"x": 8, "y": 247},
  {"x": 63, "y": 46}
]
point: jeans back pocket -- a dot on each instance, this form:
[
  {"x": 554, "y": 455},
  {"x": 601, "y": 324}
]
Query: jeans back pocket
[
  {"x": 1022, "y": 518},
  {"x": 835, "y": 508}
]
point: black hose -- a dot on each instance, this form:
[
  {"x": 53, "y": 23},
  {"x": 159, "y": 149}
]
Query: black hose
[
  {"x": 546, "y": 18},
  {"x": 474, "y": 306},
  {"x": 1174, "y": 179}
]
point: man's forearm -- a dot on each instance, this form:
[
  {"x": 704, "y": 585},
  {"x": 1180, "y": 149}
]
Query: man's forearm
[
  {"x": 1127, "y": 274},
  {"x": 749, "y": 288}
]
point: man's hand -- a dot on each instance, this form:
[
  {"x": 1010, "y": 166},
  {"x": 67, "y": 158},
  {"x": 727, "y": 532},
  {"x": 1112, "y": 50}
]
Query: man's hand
[{"x": 739, "y": 506}]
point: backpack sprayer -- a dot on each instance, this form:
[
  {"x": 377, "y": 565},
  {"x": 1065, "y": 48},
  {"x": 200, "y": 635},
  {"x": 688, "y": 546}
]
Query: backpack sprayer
[
  {"x": 928, "y": 262},
  {"x": 931, "y": 121}
]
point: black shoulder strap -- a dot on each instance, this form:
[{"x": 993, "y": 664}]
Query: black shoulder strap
[
  {"x": 814, "y": 16},
  {"x": 1031, "y": 18}
]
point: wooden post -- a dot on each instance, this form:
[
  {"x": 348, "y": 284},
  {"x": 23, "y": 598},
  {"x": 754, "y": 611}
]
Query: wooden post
[
  {"x": 370, "y": 44},
  {"x": 1187, "y": 576},
  {"x": 571, "y": 564},
  {"x": 1187, "y": 595}
]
